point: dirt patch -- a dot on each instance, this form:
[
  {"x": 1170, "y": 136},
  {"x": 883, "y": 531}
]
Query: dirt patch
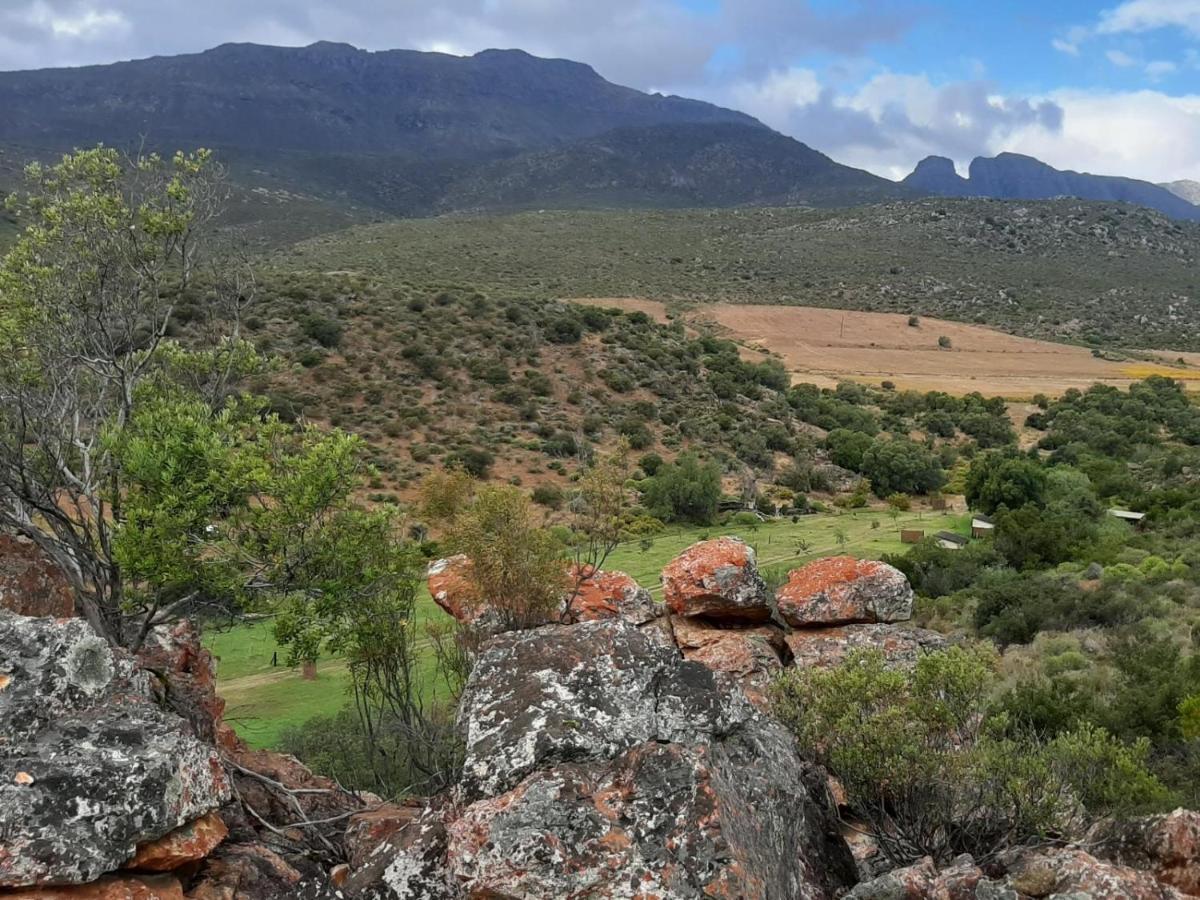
[{"x": 824, "y": 346}]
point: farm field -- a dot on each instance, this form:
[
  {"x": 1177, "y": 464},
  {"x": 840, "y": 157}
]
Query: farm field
[
  {"x": 824, "y": 346},
  {"x": 262, "y": 700}
]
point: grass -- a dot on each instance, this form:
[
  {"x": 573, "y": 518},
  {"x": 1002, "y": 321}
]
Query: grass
[{"x": 262, "y": 700}]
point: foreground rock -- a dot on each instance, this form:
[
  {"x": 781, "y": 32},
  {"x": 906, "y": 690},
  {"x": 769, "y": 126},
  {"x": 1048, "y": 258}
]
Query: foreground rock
[
  {"x": 900, "y": 645},
  {"x": 717, "y": 579},
  {"x": 90, "y": 767},
  {"x": 841, "y": 590},
  {"x": 31, "y": 584},
  {"x": 1168, "y": 846},
  {"x": 749, "y": 655},
  {"x": 611, "y": 768},
  {"x": 1060, "y": 872}
]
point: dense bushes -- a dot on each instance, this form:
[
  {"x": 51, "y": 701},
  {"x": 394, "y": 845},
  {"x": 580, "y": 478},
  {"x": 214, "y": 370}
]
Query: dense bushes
[
  {"x": 686, "y": 490},
  {"x": 934, "y": 770}
]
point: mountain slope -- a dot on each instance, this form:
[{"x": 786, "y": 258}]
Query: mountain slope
[
  {"x": 411, "y": 134},
  {"x": 333, "y": 98},
  {"x": 715, "y": 164},
  {"x": 1011, "y": 176},
  {"x": 1185, "y": 189}
]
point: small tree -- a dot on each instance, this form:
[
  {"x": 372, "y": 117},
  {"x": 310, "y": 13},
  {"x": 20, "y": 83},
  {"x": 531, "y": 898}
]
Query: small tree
[
  {"x": 944, "y": 342},
  {"x": 517, "y": 568},
  {"x": 598, "y": 510}
]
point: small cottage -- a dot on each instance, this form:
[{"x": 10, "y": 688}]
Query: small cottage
[
  {"x": 948, "y": 540},
  {"x": 982, "y": 526}
]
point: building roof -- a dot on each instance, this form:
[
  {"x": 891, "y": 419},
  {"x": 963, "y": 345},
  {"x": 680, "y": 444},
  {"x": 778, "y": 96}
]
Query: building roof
[
  {"x": 952, "y": 537},
  {"x": 982, "y": 520},
  {"x": 1127, "y": 514}
]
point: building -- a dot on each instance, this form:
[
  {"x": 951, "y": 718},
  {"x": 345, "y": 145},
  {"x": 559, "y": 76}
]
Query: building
[
  {"x": 982, "y": 526},
  {"x": 1127, "y": 515},
  {"x": 948, "y": 540},
  {"x": 911, "y": 536}
]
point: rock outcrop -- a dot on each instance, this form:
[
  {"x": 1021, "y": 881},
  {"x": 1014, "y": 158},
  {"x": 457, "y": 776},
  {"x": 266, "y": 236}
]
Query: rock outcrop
[
  {"x": 612, "y": 768},
  {"x": 601, "y": 596},
  {"x": 1168, "y": 846},
  {"x": 841, "y": 590},
  {"x": 900, "y": 645},
  {"x": 751, "y": 655},
  {"x": 90, "y": 767},
  {"x": 717, "y": 579},
  {"x": 31, "y": 584}
]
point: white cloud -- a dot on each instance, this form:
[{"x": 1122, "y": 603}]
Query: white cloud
[
  {"x": 1160, "y": 68},
  {"x": 1120, "y": 58},
  {"x": 1064, "y": 46},
  {"x": 1148, "y": 15},
  {"x": 1140, "y": 134}
]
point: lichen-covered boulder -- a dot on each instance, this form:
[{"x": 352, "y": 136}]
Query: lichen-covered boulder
[
  {"x": 186, "y": 844},
  {"x": 1168, "y": 846},
  {"x": 840, "y": 590},
  {"x": 1073, "y": 872},
  {"x": 922, "y": 879},
  {"x": 90, "y": 767},
  {"x": 186, "y": 675},
  {"x": 245, "y": 871},
  {"x": 599, "y": 595},
  {"x": 578, "y": 692},
  {"x": 900, "y": 645},
  {"x": 451, "y": 588},
  {"x": 32, "y": 584},
  {"x": 750, "y": 655},
  {"x": 717, "y": 579},
  {"x": 600, "y": 764},
  {"x": 727, "y": 819}
]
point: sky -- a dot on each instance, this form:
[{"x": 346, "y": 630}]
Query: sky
[{"x": 1111, "y": 88}]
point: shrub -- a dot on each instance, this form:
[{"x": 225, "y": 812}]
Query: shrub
[
  {"x": 548, "y": 495},
  {"x": 944, "y": 342},
  {"x": 473, "y": 460},
  {"x": 325, "y": 331},
  {"x": 684, "y": 491},
  {"x": 931, "y": 768}
]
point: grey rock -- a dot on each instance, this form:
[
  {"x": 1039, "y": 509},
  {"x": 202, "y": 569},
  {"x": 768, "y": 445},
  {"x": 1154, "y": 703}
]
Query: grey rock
[{"x": 89, "y": 766}]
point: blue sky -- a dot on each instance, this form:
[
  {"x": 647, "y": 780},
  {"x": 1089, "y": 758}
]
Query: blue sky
[{"x": 1110, "y": 87}]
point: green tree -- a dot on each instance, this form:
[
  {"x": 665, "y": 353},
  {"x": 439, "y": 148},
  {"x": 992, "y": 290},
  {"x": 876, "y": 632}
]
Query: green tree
[
  {"x": 686, "y": 490},
  {"x": 847, "y": 448},
  {"x": 898, "y": 465},
  {"x": 997, "y": 479}
]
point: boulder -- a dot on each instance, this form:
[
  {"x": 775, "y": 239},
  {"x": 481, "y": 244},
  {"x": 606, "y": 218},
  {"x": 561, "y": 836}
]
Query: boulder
[
  {"x": 186, "y": 675},
  {"x": 111, "y": 887},
  {"x": 1072, "y": 872},
  {"x": 719, "y": 580},
  {"x": 31, "y": 584},
  {"x": 370, "y": 828},
  {"x": 1168, "y": 846},
  {"x": 841, "y": 590},
  {"x": 187, "y": 844},
  {"x": 600, "y": 764},
  {"x": 90, "y": 767},
  {"x": 827, "y": 647},
  {"x": 579, "y": 692},
  {"x": 922, "y": 879},
  {"x": 451, "y": 588},
  {"x": 601, "y": 595},
  {"x": 750, "y": 655},
  {"x": 243, "y": 871},
  {"x": 729, "y": 819}
]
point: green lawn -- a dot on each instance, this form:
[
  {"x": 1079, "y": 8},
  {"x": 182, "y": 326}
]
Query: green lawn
[{"x": 262, "y": 700}]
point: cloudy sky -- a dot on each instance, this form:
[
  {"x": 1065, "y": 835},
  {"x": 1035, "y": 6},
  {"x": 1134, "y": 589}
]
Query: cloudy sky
[{"x": 1112, "y": 88}]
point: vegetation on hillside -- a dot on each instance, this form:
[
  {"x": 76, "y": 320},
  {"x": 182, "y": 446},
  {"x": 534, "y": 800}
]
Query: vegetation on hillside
[{"x": 1100, "y": 273}]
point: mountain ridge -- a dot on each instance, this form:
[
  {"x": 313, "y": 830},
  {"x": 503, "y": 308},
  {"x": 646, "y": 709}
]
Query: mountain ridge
[{"x": 1014, "y": 176}]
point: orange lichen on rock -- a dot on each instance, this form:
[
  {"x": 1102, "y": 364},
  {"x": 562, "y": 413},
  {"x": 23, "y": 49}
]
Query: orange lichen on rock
[
  {"x": 716, "y": 579},
  {"x": 186, "y": 844},
  {"x": 841, "y": 590}
]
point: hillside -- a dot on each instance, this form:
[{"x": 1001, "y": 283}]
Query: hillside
[
  {"x": 667, "y": 166},
  {"x": 1185, "y": 188},
  {"x": 1011, "y": 176},
  {"x": 1107, "y": 274}
]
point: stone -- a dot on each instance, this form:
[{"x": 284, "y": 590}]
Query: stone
[
  {"x": 187, "y": 675},
  {"x": 187, "y": 844},
  {"x": 32, "y": 584},
  {"x": 602, "y": 595},
  {"x": 1168, "y": 846},
  {"x": 727, "y": 819},
  {"x": 451, "y": 588},
  {"x": 717, "y": 579},
  {"x": 111, "y": 887},
  {"x": 109, "y": 770},
  {"x": 921, "y": 880},
  {"x": 409, "y": 865},
  {"x": 237, "y": 871},
  {"x": 370, "y": 828},
  {"x": 901, "y": 645},
  {"x": 578, "y": 692},
  {"x": 841, "y": 590},
  {"x": 1070, "y": 871},
  {"x": 749, "y": 655}
]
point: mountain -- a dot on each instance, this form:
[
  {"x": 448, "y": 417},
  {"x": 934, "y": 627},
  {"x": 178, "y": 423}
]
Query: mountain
[
  {"x": 691, "y": 164},
  {"x": 411, "y": 133},
  {"x": 1188, "y": 190},
  {"x": 1011, "y": 176}
]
